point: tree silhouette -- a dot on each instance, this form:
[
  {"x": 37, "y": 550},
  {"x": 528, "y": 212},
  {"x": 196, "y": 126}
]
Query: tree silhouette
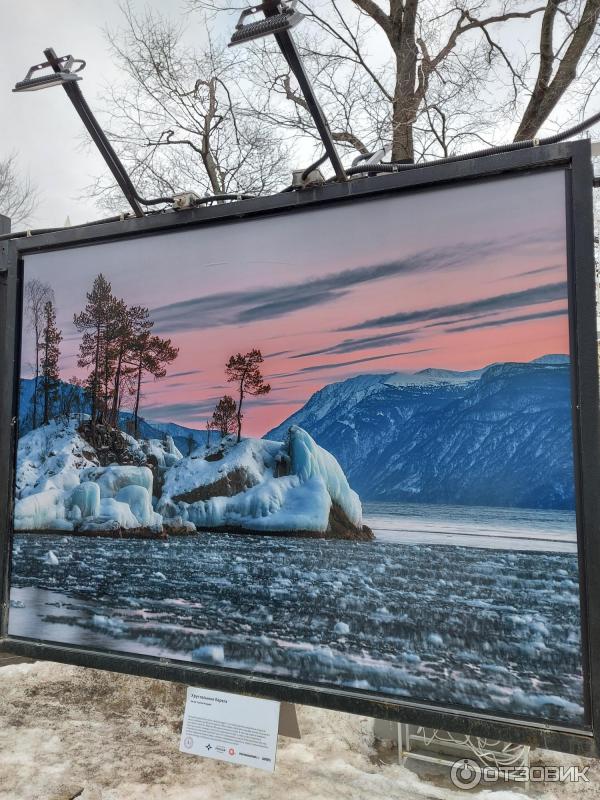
[
  {"x": 224, "y": 418},
  {"x": 245, "y": 371},
  {"x": 151, "y": 356},
  {"x": 118, "y": 345},
  {"x": 49, "y": 354},
  {"x": 96, "y": 322},
  {"x": 130, "y": 322}
]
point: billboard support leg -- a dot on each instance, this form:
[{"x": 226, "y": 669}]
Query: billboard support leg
[{"x": 288, "y": 721}]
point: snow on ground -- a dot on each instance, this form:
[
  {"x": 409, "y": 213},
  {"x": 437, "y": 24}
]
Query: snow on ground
[{"x": 70, "y": 732}]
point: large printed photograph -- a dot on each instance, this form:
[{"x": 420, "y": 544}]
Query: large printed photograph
[{"x": 333, "y": 446}]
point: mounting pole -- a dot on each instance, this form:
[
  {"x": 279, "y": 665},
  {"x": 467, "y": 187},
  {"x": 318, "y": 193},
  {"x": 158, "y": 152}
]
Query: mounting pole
[
  {"x": 280, "y": 17},
  {"x": 291, "y": 55},
  {"x": 93, "y": 128}
]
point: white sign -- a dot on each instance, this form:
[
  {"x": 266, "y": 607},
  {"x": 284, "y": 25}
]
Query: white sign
[{"x": 230, "y": 727}]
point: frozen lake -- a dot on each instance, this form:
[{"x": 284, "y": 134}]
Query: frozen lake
[
  {"x": 490, "y": 629},
  {"x": 469, "y": 526}
]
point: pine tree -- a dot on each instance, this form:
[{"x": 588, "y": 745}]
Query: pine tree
[
  {"x": 245, "y": 371},
  {"x": 130, "y": 322},
  {"x": 96, "y": 350},
  {"x": 49, "y": 348},
  {"x": 224, "y": 418},
  {"x": 151, "y": 355}
]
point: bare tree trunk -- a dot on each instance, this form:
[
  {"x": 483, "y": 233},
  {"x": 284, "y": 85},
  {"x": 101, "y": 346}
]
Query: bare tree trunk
[
  {"x": 239, "y": 412},
  {"x": 37, "y": 375},
  {"x": 548, "y": 90},
  {"x": 137, "y": 398},
  {"x": 405, "y": 103},
  {"x": 114, "y": 412}
]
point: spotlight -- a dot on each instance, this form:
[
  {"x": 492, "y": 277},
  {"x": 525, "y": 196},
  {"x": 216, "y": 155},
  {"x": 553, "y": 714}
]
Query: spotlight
[
  {"x": 284, "y": 18},
  {"x": 33, "y": 82}
]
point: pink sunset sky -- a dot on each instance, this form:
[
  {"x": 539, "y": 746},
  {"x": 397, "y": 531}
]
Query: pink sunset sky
[{"x": 456, "y": 278}]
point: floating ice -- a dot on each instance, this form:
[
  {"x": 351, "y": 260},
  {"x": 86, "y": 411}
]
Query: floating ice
[
  {"x": 211, "y": 653},
  {"x": 342, "y": 628},
  {"x": 51, "y": 558}
]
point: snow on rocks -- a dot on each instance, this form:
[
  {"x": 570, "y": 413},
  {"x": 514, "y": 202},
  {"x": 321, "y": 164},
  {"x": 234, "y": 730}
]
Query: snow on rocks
[
  {"x": 166, "y": 453},
  {"x": 51, "y": 457},
  {"x": 61, "y": 487},
  {"x": 255, "y": 485},
  {"x": 264, "y": 486}
]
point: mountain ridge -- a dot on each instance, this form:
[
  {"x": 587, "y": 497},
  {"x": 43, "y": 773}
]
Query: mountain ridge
[{"x": 499, "y": 436}]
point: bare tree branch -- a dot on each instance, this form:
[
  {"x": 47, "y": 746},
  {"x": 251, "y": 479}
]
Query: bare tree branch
[{"x": 18, "y": 196}]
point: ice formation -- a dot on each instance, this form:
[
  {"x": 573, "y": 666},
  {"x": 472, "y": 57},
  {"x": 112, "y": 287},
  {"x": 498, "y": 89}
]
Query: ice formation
[
  {"x": 60, "y": 485},
  {"x": 255, "y": 485},
  {"x": 262, "y": 485}
]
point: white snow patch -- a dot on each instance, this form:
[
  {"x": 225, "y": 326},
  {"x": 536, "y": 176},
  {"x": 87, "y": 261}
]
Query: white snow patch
[{"x": 41, "y": 755}]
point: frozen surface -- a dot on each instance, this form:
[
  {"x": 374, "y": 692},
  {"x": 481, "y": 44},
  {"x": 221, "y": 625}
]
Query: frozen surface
[
  {"x": 117, "y": 738},
  {"x": 497, "y": 528},
  {"x": 487, "y": 629}
]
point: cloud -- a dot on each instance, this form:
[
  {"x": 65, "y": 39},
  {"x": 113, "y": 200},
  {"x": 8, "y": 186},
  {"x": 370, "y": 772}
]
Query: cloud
[
  {"x": 492, "y": 323},
  {"x": 270, "y": 302},
  {"x": 186, "y": 372},
  {"x": 180, "y": 411},
  {"x": 336, "y": 365},
  {"x": 352, "y": 345},
  {"x": 546, "y": 293},
  {"x": 539, "y": 271}
]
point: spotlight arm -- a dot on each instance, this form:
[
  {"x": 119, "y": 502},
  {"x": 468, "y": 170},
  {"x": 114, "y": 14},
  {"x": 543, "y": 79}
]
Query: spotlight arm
[
  {"x": 291, "y": 55},
  {"x": 92, "y": 125},
  {"x": 279, "y": 18}
]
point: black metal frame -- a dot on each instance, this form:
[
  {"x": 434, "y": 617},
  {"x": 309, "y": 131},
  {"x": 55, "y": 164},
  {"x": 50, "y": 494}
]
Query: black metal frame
[{"x": 571, "y": 157}]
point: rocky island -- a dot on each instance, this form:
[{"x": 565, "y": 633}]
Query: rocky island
[{"x": 148, "y": 489}]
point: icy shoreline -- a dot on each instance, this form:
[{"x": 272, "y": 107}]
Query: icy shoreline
[{"x": 129, "y": 488}]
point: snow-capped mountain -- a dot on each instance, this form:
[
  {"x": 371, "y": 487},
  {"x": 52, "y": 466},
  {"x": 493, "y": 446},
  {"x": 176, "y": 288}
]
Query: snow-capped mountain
[{"x": 500, "y": 436}]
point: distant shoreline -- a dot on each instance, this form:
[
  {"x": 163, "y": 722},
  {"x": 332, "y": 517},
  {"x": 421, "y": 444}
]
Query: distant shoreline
[{"x": 366, "y": 534}]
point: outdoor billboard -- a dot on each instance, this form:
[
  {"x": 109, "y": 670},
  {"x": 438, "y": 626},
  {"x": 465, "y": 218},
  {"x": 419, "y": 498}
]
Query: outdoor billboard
[{"x": 340, "y": 450}]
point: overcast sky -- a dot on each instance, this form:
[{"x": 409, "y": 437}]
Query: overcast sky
[{"x": 42, "y": 127}]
